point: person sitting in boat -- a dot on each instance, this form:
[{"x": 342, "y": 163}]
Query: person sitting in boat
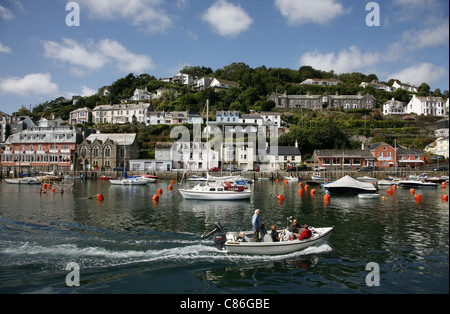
[
  {"x": 274, "y": 234},
  {"x": 295, "y": 228},
  {"x": 306, "y": 234},
  {"x": 262, "y": 231},
  {"x": 256, "y": 222}
]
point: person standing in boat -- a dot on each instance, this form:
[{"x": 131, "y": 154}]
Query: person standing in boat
[{"x": 256, "y": 222}]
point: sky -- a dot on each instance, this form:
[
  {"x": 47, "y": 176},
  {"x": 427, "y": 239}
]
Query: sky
[{"x": 54, "y": 48}]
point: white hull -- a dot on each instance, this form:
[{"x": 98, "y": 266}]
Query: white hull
[
  {"x": 320, "y": 235},
  {"x": 23, "y": 181},
  {"x": 129, "y": 182},
  {"x": 369, "y": 196},
  {"x": 215, "y": 195},
  {"x": 417, "y": 184}
]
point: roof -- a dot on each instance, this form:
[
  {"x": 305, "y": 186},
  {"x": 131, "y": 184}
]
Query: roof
[
  {"x": 336, "y": 153},
  {"x": 119, "y": 139},
  {"x": 284, "y": 150}
]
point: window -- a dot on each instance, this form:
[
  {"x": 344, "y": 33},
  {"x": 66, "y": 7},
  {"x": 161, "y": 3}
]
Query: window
[{"x": 107, "y": 152}]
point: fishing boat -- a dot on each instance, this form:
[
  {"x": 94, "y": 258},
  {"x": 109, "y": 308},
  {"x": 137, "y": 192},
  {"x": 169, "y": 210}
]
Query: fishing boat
[
  {"x": 417, "y": 184},
  {"x": 129, "y": 181},
  {"x": 214, "y": 190},
  {"x": 348, "y": 185},
  {"x": 243, "y": 243}
]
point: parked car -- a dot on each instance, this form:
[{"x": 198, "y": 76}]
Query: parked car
[
  {"x": 366, "y": 168},
  {"x": 120, "y": 169},
  {"x": 233, "y": 169},
  {"x": 317, "y": 168},
  {"x": 257, "y": 169},
  {"x": 215, "y": 169}
]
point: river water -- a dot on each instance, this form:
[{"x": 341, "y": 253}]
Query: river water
[{"x": 129, "y": 243}]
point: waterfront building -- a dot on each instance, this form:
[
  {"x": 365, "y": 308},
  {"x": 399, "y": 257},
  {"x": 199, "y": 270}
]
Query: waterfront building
[
  {"x": 42, "y": 148},
  {"x": 324, "y": 101},
  {"x": 385, "y": 155},
  {"x": 338, "y": 158},
  {"x": 229, "y": 116},
  {"x": 410, "y": 158},
  {"x": 439, "y": 147},
  {"x": 280, "y": 158},
  {"x": 106, "y": 151}
]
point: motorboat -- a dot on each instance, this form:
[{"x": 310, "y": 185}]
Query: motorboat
[
  {"x": 369, "y": 196},
  {"x": 129, "y": 181},
  {"x": 417, "y": 184},
  {"x": 348, "y": 185},
  {"x": 385, "y": 182},
  {"x": 25, "y": 180},
  {"x": 150, "y": 179},
  {"x": 291, "y": 179},
  {"x": 243, "y": 243},
  {"x": 317, "y": 179},
  {"x": 215, "y": 190}
]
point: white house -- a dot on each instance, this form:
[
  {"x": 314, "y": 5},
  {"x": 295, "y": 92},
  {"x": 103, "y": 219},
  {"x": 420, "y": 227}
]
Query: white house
[
  {"x": 321, "y": 82},
  {"x": 120, "y": 114},
  {"x": 439, "y": 147},
  {"x": 427, "y": 105},
  {"x": 80, "y": 116},
  {"x": 407, "y": 87},
  {"x": 194, "y": 156},
  {"x": 378, "y": 85},
  {"x": 222, "y": 84},
  {"x": 393, "y": 107},
  {"x": 204, "y": 82},
  {"x": 140, "y": 95}
]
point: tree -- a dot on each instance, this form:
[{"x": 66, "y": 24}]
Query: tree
[{"x": 424, "y": 89}]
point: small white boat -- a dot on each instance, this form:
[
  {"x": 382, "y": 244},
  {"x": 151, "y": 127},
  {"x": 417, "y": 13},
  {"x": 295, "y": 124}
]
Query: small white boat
[
  {"x": 26, "y": 180},
  {"x": 216, "y": 191},
  {"x": 242, "y": 242},
  {"x": 129, "y": 181},
  {"x": 417, "y": 184},
  {"x": 369, "y": 196},
  {"x": 291, "y": 179}
]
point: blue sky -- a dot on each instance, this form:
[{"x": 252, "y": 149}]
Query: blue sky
[{"x": 42, "y": 58}]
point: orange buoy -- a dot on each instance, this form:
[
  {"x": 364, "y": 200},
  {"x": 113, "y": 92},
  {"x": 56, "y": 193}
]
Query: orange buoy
[
  {"x": 173, "y": 181},
  {"x": 445, "y": 197},
  {"x": 394, "y": 187},
  {"x": 326, "y": 198},
  {"x": 299, "y": 184},
  {"x": 159, "y": 191},
  {"x": 412, "y": 191},
  {"x": 300, "y": 192},
  {"x": 306, "y": 187},
  {"x": 45, "y": 186},
  {"x": 280, "y": 197},
  {"x": 155, "y": 197},
  {"x": 390, "y": 191},
  {"x": 278, "y": 180},
  {"x": 53, "y": 190},
  {"x": 42, "y": 191},
  {"x": 313, "y": 191},
  {"x": 418, "y": 198},
  {"x": 100, "y": 197},
  {"x": 443, "y": 185},
  {"x": 170, "y": 188}
]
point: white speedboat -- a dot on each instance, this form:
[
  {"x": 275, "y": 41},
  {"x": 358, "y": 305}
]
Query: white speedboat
[
  {"x": 129, "y": 181},
  {"x": 26, "y": 180},
  {"x": 369, "y": 196},
  {"x": 291, "y": 179},
  {"x": 348, "y": 185},
  {"x": 242, "y": 242},
  {"x": 216, "y": 191},
  {"x": 417, "y": 184}
]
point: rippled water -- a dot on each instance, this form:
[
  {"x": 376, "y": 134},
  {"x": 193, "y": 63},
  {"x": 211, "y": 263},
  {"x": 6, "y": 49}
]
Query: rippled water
[{"x": 128, "y": 243}]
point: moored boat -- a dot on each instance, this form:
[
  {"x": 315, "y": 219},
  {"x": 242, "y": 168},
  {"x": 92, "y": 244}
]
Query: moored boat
[
  {"x": 348, "y": 185},
  {"x": 417, "y": 184},
  {"x": 26, "y": 180},
  {"x": 128, "y": 181},
  {"x": 369, "y": 196},
  {"x": 216, "y": 191}
]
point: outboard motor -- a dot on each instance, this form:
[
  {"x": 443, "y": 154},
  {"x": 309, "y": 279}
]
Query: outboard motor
[{"x": 219, "y": 239}]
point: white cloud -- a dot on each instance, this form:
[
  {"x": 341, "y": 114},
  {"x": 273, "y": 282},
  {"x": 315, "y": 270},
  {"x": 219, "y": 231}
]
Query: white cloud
[
  {"x": 299, "y": 12},
  {"x": 5, "y": 13},
  {"x": 227, "y": 19},
  {"x": 420, "y": 73},
  {"x": 348, "y": 60},
  {"x": 94, "y": 56},
  {"x": 125, "y": 60},
  {"x": 145, "y": 14},
  {"x": 37, "y": 83},
  {"x": 4, "y": 49}
]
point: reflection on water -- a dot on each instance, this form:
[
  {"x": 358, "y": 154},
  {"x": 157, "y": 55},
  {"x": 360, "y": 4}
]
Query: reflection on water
[{"x": 128, "y": 237}]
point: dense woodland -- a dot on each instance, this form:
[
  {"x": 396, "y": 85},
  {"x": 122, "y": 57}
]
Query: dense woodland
[{"x": 313, "y": 130}]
